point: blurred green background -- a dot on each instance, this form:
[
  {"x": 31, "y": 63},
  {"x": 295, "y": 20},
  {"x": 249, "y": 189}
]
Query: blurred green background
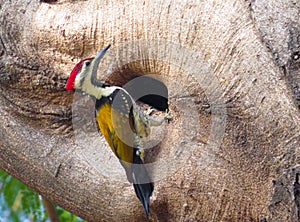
[{"x": 20, "y": 204}]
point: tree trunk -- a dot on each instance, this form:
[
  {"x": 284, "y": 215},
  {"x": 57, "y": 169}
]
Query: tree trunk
[{"x": 231, "y": 151}]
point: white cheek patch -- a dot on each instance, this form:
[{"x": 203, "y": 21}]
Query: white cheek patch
[
  {"x": 83, "y": 81},
  {"x": 77, "y": 82}
]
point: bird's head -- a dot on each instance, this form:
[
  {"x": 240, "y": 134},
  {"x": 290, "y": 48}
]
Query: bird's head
[{"x": 81, "y": 75}]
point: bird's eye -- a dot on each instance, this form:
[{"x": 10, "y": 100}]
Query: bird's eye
[{"x": 87, "y": 63}]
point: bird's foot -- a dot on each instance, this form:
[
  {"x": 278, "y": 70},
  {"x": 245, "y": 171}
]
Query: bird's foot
[{"x": 168, "y": 116}]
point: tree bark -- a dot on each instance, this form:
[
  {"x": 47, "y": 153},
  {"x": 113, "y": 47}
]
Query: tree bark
[{"x": 235, "y": 121}]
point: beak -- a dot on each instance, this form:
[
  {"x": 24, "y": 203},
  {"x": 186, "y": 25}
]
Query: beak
[
  {"x": 100, "y": 54},
  {"x": 98, "y": 57}
]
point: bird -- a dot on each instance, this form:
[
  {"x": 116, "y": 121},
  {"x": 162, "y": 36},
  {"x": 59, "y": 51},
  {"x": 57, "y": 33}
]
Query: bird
[{"x": 123, "y": 124}]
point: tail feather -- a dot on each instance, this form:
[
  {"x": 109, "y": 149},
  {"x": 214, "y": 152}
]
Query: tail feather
[
  {"x": 138, "y": 175},
  {"x": 144, "y": 192},
  {"x": 142, "y": 184}
]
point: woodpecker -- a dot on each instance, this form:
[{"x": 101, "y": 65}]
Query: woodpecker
[{"x": 121, "y": 122}]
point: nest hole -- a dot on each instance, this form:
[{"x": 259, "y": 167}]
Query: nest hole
[{"x": 142, "y": 84}]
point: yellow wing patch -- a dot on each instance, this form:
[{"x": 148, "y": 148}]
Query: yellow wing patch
[{"x": 114, "y": 130}]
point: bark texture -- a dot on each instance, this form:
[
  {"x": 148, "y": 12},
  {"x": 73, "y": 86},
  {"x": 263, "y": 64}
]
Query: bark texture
[{"x": 246, "y": 63}]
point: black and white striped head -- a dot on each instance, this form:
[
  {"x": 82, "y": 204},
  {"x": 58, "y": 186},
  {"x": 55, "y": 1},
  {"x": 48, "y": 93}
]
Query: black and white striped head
[{"x": 81, "y": 75}]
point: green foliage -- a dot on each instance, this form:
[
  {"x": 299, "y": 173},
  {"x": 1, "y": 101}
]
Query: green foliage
[
  {"x": 67, "y": 216},
  {"x": 20, "y": 204}
]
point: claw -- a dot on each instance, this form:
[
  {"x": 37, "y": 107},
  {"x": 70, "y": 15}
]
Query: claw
[
  {"x": 168, "y": 116},
  {"x": 149, "y": 111}
]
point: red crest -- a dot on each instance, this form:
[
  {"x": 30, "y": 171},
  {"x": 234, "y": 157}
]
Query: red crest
[{"x": 75, "y": 71}]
